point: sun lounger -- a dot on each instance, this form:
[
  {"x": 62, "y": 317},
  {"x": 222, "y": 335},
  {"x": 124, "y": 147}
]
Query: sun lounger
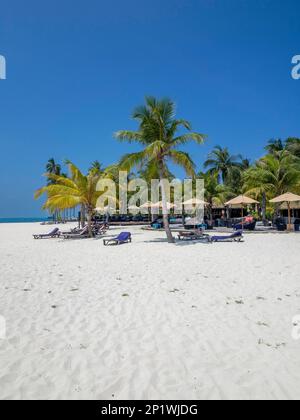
[
  {"x": 245, "y": 226},
  {"x": 53, "y": 234},
  {"x": 234, "y": 237},
  {"x": 84, "y": 233},
  {"x": 123, "y": 238},
  {"x": 192, "y": 235},
  {"x": 100, "y": 230}
]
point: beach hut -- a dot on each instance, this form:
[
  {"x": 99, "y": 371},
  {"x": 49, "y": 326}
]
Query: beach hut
[{"x": 287, "y": 198}]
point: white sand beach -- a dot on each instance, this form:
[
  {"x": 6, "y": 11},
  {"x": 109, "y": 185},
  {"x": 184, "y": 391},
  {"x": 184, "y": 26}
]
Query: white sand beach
[{"x": 148, "y": 320}]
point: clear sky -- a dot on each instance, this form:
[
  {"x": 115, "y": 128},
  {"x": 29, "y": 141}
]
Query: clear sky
[{"x": 76, "y": 69}]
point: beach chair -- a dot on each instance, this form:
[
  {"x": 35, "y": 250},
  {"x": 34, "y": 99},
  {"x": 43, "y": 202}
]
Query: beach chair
[
  {"x": 84, "y": 233},
  {"x": 100, "y": 230},
  {"x": 53, "y": 234},
  {"x": 123, "y": 238},
  {"x": 192, "y": 235},
  {"x": 234, "y": 237}
]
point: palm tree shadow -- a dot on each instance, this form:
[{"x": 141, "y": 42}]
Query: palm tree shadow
[
  {"x": 189, "y": 243},
  {"x": 156, "y": 241}
]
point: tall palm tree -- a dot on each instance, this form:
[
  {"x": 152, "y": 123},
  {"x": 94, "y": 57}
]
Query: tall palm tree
[
  {"x": 220, "y": 161},
  {"x": 215, "y": 194},
  {"x": 273, "y": 175},
  {"x": 53, "y": 168},
  {"x": 158, "y": 136},
  {"x": 70, "y": 192},
  {"x": 96, "y": 167},
  {"x": 292, "y": 145},
  {"x": 245, "y": 164},
  {"x": 274, "y": 146}
]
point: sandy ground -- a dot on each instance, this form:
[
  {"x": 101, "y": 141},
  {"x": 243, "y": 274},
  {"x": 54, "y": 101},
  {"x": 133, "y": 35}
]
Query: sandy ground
[{"x": 148, "y": 320}]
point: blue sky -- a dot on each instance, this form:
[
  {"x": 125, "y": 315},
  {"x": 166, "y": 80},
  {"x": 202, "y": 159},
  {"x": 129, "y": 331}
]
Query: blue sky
[{"x": 76, "y": 69}]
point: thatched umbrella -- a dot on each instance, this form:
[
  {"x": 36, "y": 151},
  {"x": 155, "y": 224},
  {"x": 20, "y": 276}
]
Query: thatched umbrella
[
  {"x": 195, "y": 202},
  {"x": 146, "y": 205},
  {"x": 134, "y": 209},
  {"x": 241, "y": 200},
  {"x": 159, "y": 205},
  {"x": 287, "y": 198}
]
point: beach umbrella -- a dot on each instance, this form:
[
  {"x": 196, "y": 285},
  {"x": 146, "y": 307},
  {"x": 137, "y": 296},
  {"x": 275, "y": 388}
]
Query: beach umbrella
[
  {"x": 104, "y": 210},
  {"x": 241, "y": 200},
  {"x": 146, "y": 205},
  {"x": 195, "y": 202},
  {"x": 159, "y": 205},
  {"x": 294, "y": 206},
  {"x": 134, "y": 209},
  {"x": 287, "y": 198}
]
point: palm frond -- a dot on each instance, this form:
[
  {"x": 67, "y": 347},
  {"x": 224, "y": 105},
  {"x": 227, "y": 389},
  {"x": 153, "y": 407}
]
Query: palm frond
[
  {"x": 129, "y": 136},
  {"x": 186, "y": 138},
  {"x": 184, "y": 160},
  {"x": 131, "y": 160}
]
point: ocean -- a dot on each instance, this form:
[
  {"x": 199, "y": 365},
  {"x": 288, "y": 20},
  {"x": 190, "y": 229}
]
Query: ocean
[{"x": 23, "y": 220}]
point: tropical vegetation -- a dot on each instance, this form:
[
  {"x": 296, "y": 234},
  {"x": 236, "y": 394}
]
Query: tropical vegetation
[{"x": 161, "y": 138}]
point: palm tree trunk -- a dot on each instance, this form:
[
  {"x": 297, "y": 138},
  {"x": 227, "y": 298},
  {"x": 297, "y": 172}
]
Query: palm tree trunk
[
  {"x": 82, "y": 216},
  {"x": 165, "y": 206},
  {"x": 211, "y": 215},
  {"x": 89, "y": 218},
  {"x": 264, "y": 209}
]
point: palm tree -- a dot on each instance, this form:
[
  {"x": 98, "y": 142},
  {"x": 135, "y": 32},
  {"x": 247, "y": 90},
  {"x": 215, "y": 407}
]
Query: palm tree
[
  {"x": 53, "y": 168},
  {"x": 96, "y": 167},
  {"x": 158, "y": 136},
  {"x": 245, "y": 164},
  {"x": 215, "y": 194},
  {"x": 292, "y": 145},
  {"x": 220, "y": 161},
  {"x": 273, "y": 175},
  {"x": 70, "y": 192},
  {"x": 274, "y": 146}
]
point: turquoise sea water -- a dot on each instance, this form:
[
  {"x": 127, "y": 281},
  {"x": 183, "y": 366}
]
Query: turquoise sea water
[{"x": 23, "y": 220}]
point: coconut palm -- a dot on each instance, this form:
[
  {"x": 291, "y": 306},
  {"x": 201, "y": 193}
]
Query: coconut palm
[
  {"x": 245, "y": 164},
  {"x": 96, "y": 167},
  {"x": 273, "y": 175},
  {"x": 53, "y": 168},
  {"x": 292, "y": 145},
  {"x": 215, "y": 194},
  {"x": 274, "y": 146},
  {"x": 159, "y": 139},
  {"x": 220, "y": 161},
  {"x": 70, "y": 192}
]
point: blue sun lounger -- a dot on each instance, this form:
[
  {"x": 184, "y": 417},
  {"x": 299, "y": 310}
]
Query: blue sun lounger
[
  {"x": 123, "y": 238},
  {"x": 234, "y": 237}
]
